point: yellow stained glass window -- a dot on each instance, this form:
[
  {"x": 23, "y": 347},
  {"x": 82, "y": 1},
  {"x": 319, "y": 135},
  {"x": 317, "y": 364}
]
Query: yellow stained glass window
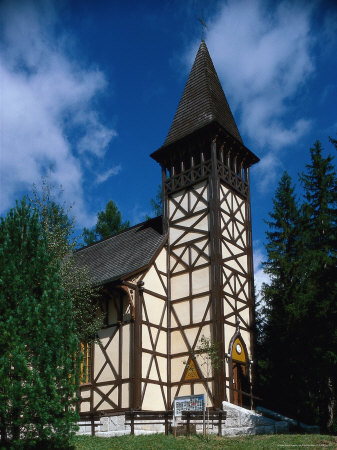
[{"x": 86, "y": 363}]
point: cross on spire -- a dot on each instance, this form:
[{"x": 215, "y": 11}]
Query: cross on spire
[{"x": 203, "y": 26}]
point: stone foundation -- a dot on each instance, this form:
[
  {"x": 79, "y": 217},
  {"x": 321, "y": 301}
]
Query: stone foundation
[{"x": 239, "y": 421}]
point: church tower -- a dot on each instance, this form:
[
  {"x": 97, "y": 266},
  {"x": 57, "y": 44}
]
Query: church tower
[{"x": 206, "y": 213}]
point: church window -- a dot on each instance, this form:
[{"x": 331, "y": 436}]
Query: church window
[{"x": 86, "y": 363}]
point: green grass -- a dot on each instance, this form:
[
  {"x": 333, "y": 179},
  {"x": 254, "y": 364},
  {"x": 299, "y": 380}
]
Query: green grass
[{"x": 161, "y": 442}]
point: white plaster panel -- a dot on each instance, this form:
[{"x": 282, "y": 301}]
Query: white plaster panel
[
  {"x": 229, "y": 249},
  {"x": 153, "y": 375},
  {"x": 104, "y": 406},
  {"x": 199, "y": 307},
  {"x": 161, "y": 260},
  {"x": 200, "y": 280},
  {"x": 112, "y": 351},
  {"x": 182, "y": 310},
  {"x": 174, "y": 390},
  {"x": 125, "y": 395},
  {"x": 179, "y": 286},
  {"x": 153, "y": 283},
  {"x": 191, "y": 334},
  {"x": 154, "y": 307},
  {"x": 126, "y": 351},
  {"x": 197, "y": 259},
  {"x": 203, "y": 224},
  {"x": 99, "y": 360},
  {"x": 105, "y": 389},
  {"x": 190, "y": 237},
  {"x": 85, "y": 392},
  {"x": 177, "y": 368},
  {"x": 189, "y": 221},
  {"x": 185, "y": 389},
  {"x": 201, "y": 245},
  {"x": 245, "y": 315},
  {"x": 161, "y": 344},
  {"x": 85, "y": 406},
  {"x": 177, "y": 342},
  {"x": 199, "y": 188},
  {"x": 246, "y": 338},
  {"x": 173, "y": 321},
  {"x": 243, "y": 260},
  {"x": 227, "y": 308},
  {"x": 107, "y": 374},
  {"x": 146, "y": 357},
  {"x": 175, "y": 234},
  {"x": 153, "y": 398},
  {"x": 232, "y": 263},
  {"x": 177, "y": 268},
  {"x": 146, "y": 342},
  {"x": 97, "y": 398},
  {"x": 162, "y": 363}
]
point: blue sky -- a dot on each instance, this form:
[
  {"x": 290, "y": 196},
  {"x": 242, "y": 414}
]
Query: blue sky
[{"x": 89, "y": 89}]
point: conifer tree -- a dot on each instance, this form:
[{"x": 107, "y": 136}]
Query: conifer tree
[
  {"x": 319, "y": 305},
  {"x": 109, "y": 223},
  {"x": 37, "y": 339},
  {"x": 280, "y": 363}
]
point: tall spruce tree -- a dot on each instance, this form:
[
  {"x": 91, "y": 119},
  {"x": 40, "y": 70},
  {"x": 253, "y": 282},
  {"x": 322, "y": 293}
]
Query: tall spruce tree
[
  {"x": 37, "y": 338},
  {"x": 109, "y": 223},
  {"x": 319, "y": 306},
  {"x": 279, "y": 364}
]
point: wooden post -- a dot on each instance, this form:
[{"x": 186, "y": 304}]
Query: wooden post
[
  {"x": 188, "y": 423},
  {"x": 92, "y": 425},
  {"x": 166, "y": 423},
  {"x": 219, "y": 424},
  {"x": 132, "y": 423}
]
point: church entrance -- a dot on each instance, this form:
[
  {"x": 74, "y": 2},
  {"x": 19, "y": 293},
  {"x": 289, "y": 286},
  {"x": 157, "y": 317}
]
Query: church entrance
[
  {"x": 239, "y": 374},
  {"x": 240, "y": 384}
]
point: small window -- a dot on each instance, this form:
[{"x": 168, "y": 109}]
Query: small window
[{"x": 86, "y": 363}]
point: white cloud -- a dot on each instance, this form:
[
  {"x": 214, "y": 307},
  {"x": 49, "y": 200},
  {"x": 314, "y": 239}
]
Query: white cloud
[
  {"x": 263, "y": 57},
  {"x": 102, "y": 177},
  {"x": 46, "y": 98},
  {"x": 262, "y": 52},
  {"x": 259, "y": 276},
  {"x": 267, "y": 171}
]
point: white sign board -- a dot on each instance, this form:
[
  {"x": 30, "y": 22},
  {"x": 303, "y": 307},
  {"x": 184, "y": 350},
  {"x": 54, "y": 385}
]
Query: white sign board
[{"x": 189, "y": 403}]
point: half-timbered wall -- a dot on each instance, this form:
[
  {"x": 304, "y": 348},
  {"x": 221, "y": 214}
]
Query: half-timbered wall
[
  {"x": 235, "y": 231},
  {"x": 189, "y": 243},
  {"x": 153, "y": 336},
  {"x": 109, "y": 388}
]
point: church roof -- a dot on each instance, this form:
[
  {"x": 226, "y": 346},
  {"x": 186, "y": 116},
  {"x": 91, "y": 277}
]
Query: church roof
[
  {"x": 125, "y": 253},
  {"x": 203, "y": 101}
]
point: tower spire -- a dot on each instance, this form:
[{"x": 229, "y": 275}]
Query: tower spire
[{"x": 203, "y": 101}]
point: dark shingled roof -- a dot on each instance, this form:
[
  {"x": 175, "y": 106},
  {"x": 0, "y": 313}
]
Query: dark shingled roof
[
  {"x": 124, "y": 253},
  {"x": 203, "y": 101}
]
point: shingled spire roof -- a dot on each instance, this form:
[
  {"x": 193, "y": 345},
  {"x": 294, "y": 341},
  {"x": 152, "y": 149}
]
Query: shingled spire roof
[{"x": 203, "y": 101}]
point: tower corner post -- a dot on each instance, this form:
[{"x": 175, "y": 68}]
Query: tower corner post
[{"x": 216, "y": 277}]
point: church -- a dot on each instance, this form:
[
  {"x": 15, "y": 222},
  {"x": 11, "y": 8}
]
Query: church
[{"x": 186, "y": 275}]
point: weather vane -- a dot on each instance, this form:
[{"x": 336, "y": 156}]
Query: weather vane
[{"x": 203, "y": 25}]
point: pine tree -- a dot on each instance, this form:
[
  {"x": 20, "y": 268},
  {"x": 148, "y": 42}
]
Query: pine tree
[
  {"x": 109, "y": 223},
  {"x": 37, "y": 339},
  {"x": 319, "y": 304},
  {"x": 279, "y": 366}
]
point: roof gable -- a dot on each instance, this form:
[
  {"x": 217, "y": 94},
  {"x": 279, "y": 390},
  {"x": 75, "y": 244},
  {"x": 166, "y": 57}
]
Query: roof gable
[{"x": 125, "y": 253}]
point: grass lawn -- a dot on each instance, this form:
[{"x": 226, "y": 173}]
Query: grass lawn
[{"x": 159, "y": 441}]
